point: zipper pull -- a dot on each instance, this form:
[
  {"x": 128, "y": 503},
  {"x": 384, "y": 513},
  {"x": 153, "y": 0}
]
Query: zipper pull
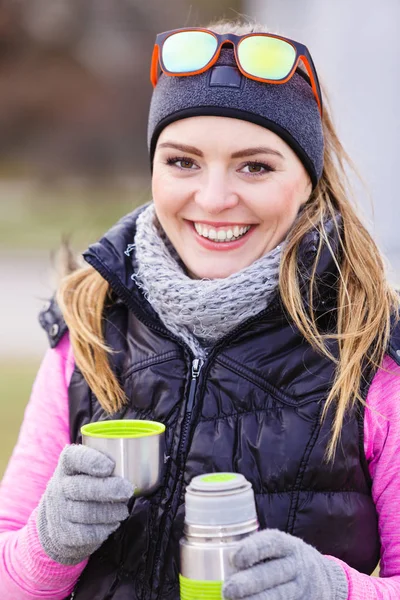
[{"x": 196, "y": 368}]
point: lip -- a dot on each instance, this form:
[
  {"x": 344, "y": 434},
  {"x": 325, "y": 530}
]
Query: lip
[
  {"x": 222, "y": 224},
  {"x": 220, "y": 246}
]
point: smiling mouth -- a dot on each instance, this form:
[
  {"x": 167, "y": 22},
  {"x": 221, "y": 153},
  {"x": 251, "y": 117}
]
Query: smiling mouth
[{"x": 221, "y": 234}]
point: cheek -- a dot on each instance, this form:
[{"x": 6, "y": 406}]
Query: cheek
[
  {"x": 162, "y": 190},
  {"x": 159, "y": 183},
  {"x": 282, "y": 202},
  {"x": 168, "y": 197}
]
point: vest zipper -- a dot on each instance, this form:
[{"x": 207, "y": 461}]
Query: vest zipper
[{"x": 197, "y": 364}]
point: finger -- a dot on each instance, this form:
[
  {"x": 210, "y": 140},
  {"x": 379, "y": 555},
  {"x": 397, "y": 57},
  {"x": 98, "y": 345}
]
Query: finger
[
  {"x": 86, "y": 488},
  {"x": 262, "y": 545},
  {"x": 81, "y": 459},
  {"x": 261, "y": 577},
  {"x": 93, "y": 513},
  {"x": 287, "y": 591}
]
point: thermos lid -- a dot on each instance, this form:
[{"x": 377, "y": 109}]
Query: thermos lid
[{"x": 219, "y": 499}]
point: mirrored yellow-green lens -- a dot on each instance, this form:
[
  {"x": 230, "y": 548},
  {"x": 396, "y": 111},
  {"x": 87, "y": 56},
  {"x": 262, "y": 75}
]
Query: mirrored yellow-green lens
[
  {"x": 188, "y": 51},
  {"x": 265, "y": 57}
]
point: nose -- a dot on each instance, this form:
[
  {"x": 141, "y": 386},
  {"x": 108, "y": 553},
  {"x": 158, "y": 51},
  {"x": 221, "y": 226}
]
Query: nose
[{"x": 215, "y": 194}]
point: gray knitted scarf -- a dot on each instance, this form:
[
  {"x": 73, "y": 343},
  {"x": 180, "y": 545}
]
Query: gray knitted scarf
[{"x": 199, "y": 311}]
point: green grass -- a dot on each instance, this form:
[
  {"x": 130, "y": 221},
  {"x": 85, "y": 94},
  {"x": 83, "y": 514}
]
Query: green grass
[
  {"x": 16, "y": 381},
  {"x": 35, "y": 217}
]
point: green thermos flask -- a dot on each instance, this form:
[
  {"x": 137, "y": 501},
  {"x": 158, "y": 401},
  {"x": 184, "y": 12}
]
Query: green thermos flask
[{"x": 219, "y": 512}]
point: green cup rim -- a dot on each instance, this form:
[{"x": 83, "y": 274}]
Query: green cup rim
[{"x": 118, "y": 428}]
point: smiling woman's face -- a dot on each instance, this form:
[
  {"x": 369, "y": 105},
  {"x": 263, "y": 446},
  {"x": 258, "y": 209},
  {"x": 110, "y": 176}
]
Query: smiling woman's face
[{"x": 226, "y": 192}]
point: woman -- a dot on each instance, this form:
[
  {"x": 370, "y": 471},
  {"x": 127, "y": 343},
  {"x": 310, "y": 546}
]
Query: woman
[{"x": 246, "y": 308}]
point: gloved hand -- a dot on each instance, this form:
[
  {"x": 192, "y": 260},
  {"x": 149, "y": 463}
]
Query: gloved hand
[
  {"x": 273, "y": 565},
  {"x": 82, "y": 505}
]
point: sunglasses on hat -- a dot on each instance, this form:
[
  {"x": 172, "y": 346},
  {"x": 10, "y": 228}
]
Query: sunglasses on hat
[{"x": 260, "y": 56}]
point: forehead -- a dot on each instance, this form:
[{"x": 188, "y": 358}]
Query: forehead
[{"x": 222, "y": 132}]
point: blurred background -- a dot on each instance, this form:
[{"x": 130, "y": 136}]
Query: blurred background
[{"x": 74, "y": 80}]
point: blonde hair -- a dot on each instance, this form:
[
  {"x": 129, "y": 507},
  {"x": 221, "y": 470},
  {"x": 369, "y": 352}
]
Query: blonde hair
[{"x": 366, "y": 302}]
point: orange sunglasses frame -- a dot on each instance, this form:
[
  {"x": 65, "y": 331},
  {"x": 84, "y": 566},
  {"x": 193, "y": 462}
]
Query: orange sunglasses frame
[{"x": 302, "y": 53}]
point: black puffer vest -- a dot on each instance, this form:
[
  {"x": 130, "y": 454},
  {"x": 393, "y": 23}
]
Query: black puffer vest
[{"x": 253, "y": 407}]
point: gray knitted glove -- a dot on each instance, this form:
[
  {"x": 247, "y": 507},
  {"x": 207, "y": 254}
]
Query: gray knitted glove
[
  {"x": 82, "y": 505},
  {"x": 273, "y": 565}
]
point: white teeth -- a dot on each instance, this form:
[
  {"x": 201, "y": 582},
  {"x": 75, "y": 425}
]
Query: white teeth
[{"x": 221, "y": 235}]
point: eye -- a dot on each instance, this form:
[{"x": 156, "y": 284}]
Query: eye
[
  {"x": 257, "y": 168},
  {"x": 182, "y": 162}
]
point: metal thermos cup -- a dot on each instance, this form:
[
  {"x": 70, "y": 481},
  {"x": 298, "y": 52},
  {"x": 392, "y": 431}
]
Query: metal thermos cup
[
  {"x": 136, "y": 446},
  {"x": 219, "y": 512}
]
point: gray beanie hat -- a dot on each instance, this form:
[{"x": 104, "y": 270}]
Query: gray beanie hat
[{"x": 289, "y": 110}]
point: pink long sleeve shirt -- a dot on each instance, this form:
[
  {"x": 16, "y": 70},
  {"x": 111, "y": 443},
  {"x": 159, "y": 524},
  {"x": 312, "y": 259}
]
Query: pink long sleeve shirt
[{"x": 26, "y": 573}]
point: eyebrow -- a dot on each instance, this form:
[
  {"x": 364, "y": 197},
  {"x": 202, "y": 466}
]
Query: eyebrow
[{"x": 240, "y": 154}]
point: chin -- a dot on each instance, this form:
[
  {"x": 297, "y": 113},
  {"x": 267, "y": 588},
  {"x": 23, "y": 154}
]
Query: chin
[{"x": 213, "y": 272}]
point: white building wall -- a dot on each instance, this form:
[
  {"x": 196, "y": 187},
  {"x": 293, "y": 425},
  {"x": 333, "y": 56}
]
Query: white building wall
[{"x": 355, "y": 45}]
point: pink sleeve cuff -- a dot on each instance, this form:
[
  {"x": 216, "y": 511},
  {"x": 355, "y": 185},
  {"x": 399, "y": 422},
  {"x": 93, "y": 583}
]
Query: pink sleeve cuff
[
  {"x": 365, "y": 587},
  {"x": 42, "y": 577}
]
